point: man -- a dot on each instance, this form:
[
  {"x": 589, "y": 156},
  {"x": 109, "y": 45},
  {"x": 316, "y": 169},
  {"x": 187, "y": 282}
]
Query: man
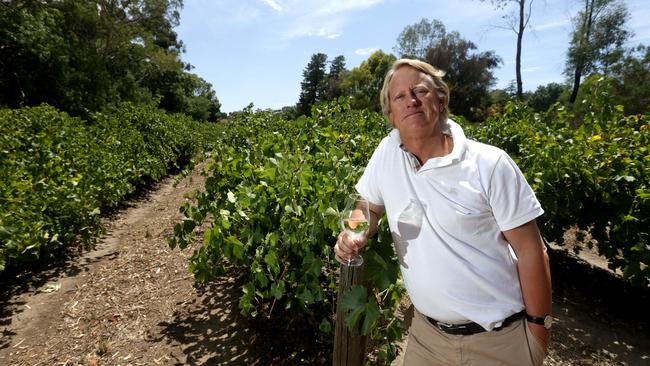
[{"x": 463, "y": 221}]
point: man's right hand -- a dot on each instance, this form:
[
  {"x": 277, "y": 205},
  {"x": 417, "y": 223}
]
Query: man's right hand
[{"x": 346, "y": 247}]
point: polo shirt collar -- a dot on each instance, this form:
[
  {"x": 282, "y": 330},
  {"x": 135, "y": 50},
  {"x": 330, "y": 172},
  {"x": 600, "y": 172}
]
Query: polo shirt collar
[{"x": 456, "y": 155}]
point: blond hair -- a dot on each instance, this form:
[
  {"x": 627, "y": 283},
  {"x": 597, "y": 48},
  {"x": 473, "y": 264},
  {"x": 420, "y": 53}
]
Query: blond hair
[{"x": 442, "y": 90}]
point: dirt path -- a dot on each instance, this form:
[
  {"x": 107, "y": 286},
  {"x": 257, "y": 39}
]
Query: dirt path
[{"x": 131, "y": 301}]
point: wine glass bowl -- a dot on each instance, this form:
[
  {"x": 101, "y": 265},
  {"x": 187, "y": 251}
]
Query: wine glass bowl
[{"x": 354, "y": 221}]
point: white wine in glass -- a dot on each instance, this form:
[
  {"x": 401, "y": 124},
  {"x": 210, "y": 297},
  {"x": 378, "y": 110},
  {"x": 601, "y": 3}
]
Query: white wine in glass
[{"x": 354, "y": 221}]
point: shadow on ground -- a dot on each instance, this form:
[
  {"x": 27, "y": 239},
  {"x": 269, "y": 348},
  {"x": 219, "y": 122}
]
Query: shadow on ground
[
  {"x": 210, "y": 331},
  {"x": 28, "y": 280},
  {"x": 16, "y": 287},
  {"x": 603, "y": 318}
]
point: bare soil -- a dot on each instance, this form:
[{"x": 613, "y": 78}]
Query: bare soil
[{"x": 132, "y": 301}]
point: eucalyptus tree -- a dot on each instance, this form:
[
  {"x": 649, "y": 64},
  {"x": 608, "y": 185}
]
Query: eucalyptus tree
[
  {"x": 597, "y": 40},
  {"x": 632, "y": 75},
  {"x": 415, "y": 40}
]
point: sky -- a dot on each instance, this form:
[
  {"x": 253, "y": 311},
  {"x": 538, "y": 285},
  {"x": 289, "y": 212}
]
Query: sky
[{"x": 255, "y": 51}]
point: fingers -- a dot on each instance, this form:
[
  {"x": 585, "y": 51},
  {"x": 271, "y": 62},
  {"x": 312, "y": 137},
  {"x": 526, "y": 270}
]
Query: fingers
[
  {"x": 346, "y": 247},
  {"x": 341, "y": 258}
]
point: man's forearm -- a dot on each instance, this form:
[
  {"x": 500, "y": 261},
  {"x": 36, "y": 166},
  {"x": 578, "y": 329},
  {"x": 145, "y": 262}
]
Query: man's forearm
[
  {"x": 534, "y": 274},
  {"x": 535, "y": 280},
  {"x": 376, "y": 213}
]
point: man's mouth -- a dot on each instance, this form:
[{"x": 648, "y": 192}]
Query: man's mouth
[{"x": 413, "y": 113}]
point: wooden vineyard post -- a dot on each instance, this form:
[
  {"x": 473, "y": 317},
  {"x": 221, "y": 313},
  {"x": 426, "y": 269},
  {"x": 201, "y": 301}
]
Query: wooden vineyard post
[{"x": 349, "y": 345}]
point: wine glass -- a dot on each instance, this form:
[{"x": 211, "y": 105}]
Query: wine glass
[{"x": 354, "y": 220}]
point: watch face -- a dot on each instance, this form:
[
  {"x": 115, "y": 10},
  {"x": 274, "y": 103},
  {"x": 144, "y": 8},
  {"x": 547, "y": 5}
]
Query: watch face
[{"x": 548, "y": 321}]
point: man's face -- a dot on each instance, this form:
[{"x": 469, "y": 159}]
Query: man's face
[{"x": 414, "y": 104}]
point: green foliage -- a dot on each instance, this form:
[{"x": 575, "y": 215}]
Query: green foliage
[
  {"x": 632, "y": 76},
  {"x": 318, "y": 85},
  {"x": 467, "y": 73},
  {"x": 335, "y": 75},
  {"x": 314, "y": 84},
  {"x": 597, "y": 41},
  {"x": 594, "y": 174},
  {"x": 596, "y": 100},
  {"x": 274, "y": 189},
  {"x": 363, "y": 309},
  {"x": 59, "y": 172},
  {"x": 83, "y": 56},
  {"x": 272, "y": 194},
  {"x": 363, "y": 83},
  {"x": 544, "y": 96},
  {"x": 415, "y": 40}
]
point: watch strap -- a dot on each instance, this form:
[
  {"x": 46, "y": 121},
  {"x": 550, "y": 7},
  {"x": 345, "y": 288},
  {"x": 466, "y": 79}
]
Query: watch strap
[
  {"x": 545, "y": 321},
  {"x": 535, "y": 319}
]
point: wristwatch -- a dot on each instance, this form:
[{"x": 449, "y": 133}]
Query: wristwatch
[{"x": 546, "y": 320}]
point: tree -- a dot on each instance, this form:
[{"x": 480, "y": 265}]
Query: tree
[
  {"x": 632, "y": 75},
  {"x": 313, "y": 84},
  {"x": 201, "y": 102},
  {"x": 416, "y": 39},
  {"x": 336, "y": 72},
  {"x": 88, "y": 55},
  {"x": 597, "y": 99},
  {"x": 517, "y": 22},
  {"x": 597, "y": 40},
  {"x": 468, "y": 74},
  {"x": 545, "y": 95},
  {"x": 364, "y": 83},
  {"x": 33, "y": 54}
]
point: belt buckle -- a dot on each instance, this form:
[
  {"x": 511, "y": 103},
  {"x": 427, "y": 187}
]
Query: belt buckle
[{"x": 448, "y": 326}]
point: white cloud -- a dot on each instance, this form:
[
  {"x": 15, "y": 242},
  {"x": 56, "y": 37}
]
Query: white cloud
[
  {"x": 551, "y": 25},
  {"x": 341, "y": 6},
  {"x": 304, "y": 29},
  {"x": 365, "y": 51},
  {"x": 531, "y": 69},
  {"x": 273, "y": 4},
  {"x": 320, "y": 18}
]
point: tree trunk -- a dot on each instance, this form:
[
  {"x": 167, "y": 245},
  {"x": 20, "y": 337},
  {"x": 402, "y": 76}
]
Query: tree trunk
[
  {"x": 520, "y": 36},
  {"x": 576, "y": 84},
  {"x": 586, "y": 29}
]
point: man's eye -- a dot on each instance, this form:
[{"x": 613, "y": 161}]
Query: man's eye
[
  {"x": 399, "y": 97},
  {"x": 420, "y": 92}
]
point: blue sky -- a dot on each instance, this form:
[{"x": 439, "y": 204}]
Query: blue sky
[{"x": 256, "y": 50}]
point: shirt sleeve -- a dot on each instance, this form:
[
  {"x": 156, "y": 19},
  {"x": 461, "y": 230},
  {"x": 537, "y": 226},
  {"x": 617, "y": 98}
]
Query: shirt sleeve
[
  {"x": 368, "y": 185},
  {"x": 512, "y": 199}
]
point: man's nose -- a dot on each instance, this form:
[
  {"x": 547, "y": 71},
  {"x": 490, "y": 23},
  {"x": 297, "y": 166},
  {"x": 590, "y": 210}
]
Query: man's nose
[{"x": 413, "y": 99}]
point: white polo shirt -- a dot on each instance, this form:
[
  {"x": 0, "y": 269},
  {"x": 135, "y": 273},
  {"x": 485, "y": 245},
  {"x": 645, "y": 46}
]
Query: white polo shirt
[{"x": 447, "y": 220}]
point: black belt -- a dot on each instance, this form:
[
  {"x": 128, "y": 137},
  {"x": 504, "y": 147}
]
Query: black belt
[{"x": 472, "y": 328}]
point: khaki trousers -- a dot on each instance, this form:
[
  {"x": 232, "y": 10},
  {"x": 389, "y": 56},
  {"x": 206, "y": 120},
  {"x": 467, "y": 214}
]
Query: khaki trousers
[{"x": 513, "y": 345}]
